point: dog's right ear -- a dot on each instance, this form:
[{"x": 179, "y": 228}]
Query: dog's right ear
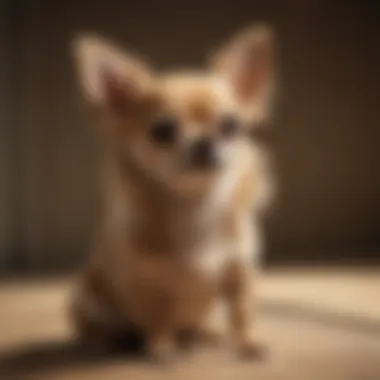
[{"x": 111, "y": 79}]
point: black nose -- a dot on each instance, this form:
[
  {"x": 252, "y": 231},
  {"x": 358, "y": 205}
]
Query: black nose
[{"x": 202, "y": 153}]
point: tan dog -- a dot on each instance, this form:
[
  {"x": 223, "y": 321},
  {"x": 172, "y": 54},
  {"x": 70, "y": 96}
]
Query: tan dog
[{"x": 184, "y": 186}]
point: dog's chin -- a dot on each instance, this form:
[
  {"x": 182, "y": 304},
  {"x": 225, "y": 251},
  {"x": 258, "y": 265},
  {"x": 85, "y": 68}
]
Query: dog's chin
[
  {"x": 194, "y": 184},
  {"x": 186, "y": 182}
]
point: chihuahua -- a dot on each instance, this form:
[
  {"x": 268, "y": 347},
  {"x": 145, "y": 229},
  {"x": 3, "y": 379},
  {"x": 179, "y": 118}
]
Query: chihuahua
[{"x": 184, "y": 190}]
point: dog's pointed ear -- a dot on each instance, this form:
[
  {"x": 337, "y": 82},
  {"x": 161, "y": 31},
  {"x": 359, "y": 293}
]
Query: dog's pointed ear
[
  {"x": 247, "y": 61},
  {"x": 111, "y": 79}
]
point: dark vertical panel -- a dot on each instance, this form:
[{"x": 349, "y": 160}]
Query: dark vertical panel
[
  {"x": 5, "y": 210},
  {"x": 12, "y": 174},
  {"x": 60, "y": 196},
  {"x": 327, "y": 132}
]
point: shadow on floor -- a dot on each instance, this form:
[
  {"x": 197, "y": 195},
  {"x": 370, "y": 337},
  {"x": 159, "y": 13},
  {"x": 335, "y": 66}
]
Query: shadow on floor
[{"x": 46, "y": 356}]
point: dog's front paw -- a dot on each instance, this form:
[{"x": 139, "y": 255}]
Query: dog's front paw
[
  {"x": 212, "y": 337},
  {"x": 250, "y": 348},
  {"x": 161, "y": 351}
]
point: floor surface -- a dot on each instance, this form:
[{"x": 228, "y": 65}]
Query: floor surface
[{"x": 318, "y": 325}]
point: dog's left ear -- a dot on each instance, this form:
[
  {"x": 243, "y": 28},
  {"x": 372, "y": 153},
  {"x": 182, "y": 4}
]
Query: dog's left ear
[{"x": 247, "y": 62}]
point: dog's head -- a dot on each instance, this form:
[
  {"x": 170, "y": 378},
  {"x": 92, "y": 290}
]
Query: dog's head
[{"x": 182, "y": 129}]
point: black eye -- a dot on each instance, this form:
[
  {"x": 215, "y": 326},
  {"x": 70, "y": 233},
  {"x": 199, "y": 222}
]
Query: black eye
[
  {"x": 229, "y": 126},
  {"x": 164, "y": 131}
]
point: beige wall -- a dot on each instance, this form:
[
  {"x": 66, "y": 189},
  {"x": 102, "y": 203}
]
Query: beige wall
[{"x": 325, "y": 135}]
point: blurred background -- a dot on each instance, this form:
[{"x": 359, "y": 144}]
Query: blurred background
[
  {"x": 325, "y": 138},
  {"x": 325, "y": 135}
]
